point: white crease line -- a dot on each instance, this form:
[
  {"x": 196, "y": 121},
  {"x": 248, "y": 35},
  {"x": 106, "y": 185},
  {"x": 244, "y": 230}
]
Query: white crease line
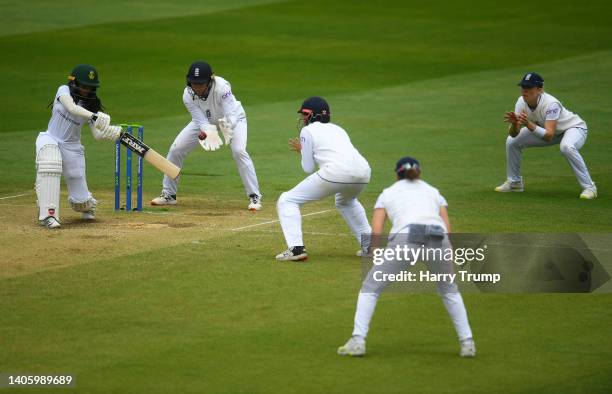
[
  {"x": 305, "y": 232},
  {"x": 275, "y": 221},
  {"x": 15, "y": 196}
]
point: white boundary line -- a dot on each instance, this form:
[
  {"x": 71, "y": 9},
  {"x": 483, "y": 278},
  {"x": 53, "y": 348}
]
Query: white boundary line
[
  {"x": 275, "y": 221},
  {"x": 15, "y": 196}
]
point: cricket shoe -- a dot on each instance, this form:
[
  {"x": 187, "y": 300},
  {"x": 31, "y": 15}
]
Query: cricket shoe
[
  {"x": 164, "y": 199},
  {"x": 50, "y": 222},
  {"x": 364, "y": 252},
  {"x": 89, "y": 215},
  {"x": 590, "y": 193},
  {"x": 468, "y": 348},
  {"x": 355, "y": 347},
  {"x": 254, "y": 202},
  {"x": 509, "y": 186},
  {"x": 294, "y": 253}
]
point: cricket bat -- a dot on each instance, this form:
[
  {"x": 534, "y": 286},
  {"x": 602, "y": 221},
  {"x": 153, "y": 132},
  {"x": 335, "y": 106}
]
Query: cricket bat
[{"x": 150, "y": 155}]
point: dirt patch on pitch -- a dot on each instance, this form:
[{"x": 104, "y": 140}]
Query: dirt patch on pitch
[
  {"x": 154, "y": 225},
  {"x": 210, "y": 214},
  {"x": 142, "y": 225},
  {"x": 26, "y": 248},
  {"x": 181, "y": 225}
]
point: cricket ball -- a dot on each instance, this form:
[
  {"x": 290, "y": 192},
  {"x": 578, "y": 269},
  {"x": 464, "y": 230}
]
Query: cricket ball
[{"x": 202, "y": 136}]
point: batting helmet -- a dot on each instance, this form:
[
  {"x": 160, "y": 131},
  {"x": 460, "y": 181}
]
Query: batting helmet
[
  {"x": 199, "y": 72},
  {"x": 83, "y": 82},
  {"x": 85, "y": 74},
  {"x": 315, "y": 109}
]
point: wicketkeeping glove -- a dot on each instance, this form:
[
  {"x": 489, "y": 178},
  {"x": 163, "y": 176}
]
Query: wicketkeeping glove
[
  {"x": 212, "y": 141},
  {"x": 226, "y": 129}
]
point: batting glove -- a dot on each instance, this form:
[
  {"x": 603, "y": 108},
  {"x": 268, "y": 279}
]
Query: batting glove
[
  {"x": 112, "y": 133},
  {"x": 102, "y": 120}
]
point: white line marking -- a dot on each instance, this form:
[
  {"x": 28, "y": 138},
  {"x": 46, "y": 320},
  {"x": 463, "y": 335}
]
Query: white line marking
[
  {"x": 305, "y": 232},
  {"x": 15, "y": 196},
  {"x": 275, "y": 221}
]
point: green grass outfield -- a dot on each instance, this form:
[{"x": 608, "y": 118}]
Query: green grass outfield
[{"x": 178, "y": 300}]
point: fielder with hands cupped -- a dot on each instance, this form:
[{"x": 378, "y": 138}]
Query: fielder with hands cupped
[
  {"x": 59, "y": 150},
  {"x": 540, "y": 119},
  {"x": 213, "y": 108},
  {"x": 343, "y": 172}
]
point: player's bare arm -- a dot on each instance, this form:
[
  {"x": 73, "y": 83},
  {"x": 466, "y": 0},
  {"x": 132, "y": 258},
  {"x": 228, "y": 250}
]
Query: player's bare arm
[
  {"x": 378, "y": 224},
  {"x": 550, "y": 126},
  {"x": 514, "y": 128},
  {"x": 295, "y": 145},
  {"x": 444, "y": 216},
  {"x": 546, "y": 134}
]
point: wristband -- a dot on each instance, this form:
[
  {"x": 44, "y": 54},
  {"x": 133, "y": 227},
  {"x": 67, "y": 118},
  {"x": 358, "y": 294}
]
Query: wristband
[{"x": 539, "y": 131}]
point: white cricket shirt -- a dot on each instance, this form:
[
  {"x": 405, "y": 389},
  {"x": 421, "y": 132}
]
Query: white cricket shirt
[
  {"x": 329, "y": 146},
  {"x": 64, "y": 126},
  {"x": 549, "y": 108},
  {"x": 220, "y": 103},
  {"x": 411, "y": 202}
]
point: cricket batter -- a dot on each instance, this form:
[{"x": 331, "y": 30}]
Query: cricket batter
[
  {"x": 212, "y": 105},
  {"x": 59, "y": 150},
  {"x": 419, "y": 217},
  {"x": 539, "y": 119},
  {"x": 342, "y": 172}
]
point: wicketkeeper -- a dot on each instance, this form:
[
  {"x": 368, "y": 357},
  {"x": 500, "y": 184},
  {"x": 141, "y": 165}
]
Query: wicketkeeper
[{"x": 213, "y": 108}]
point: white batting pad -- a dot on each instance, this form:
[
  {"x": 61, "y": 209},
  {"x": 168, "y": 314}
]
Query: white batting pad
[{"x": 48, "y": 176}]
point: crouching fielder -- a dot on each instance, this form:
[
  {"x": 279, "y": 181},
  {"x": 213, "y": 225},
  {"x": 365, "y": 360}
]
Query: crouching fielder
[
  {"x": 539, "y": 119},
  {"x": 59, "y": 150},
  {"x": 343, "y": 172},
  {"x": 419, "y": 217}
]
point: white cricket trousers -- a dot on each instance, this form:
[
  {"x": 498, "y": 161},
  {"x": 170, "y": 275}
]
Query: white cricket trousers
[
  {"x": 73, "y": 166},
  {"x": 315, "y": 188},
  {"x": 187, "y": 140},
  {"x": 570, "y": 143},
  {"x": 371, "y": 289}
]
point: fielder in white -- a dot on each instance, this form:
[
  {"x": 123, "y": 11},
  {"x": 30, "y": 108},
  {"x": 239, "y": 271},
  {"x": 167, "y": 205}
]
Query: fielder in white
[
  {"x": 212, "y": 105},
  {"x": 59, "y": 150},
  {"x": 420, "y": 218},
  {"x": 342, "y": 172},
  {"x": 539, "y": 119}
]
